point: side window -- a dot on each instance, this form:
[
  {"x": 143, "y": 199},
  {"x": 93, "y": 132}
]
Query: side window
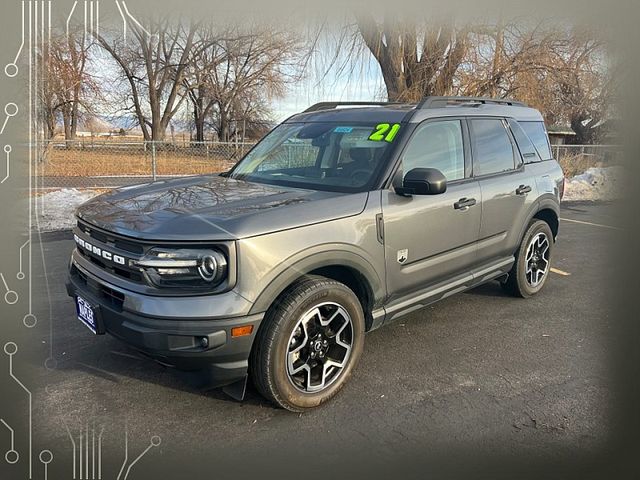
[
  {"x": 491, "y": 146},
  {"x": 436, "y": 145},
  {"x": 538, "y": 135},
  {"x": 527, "y": 150}
]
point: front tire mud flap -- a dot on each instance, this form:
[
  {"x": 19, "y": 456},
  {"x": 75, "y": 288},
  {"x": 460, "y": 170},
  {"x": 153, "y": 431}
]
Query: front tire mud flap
[{"x": 237, "y": 390}]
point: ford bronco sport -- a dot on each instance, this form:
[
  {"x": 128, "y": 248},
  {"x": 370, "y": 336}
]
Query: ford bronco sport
[{"x": 340, "y": 220}]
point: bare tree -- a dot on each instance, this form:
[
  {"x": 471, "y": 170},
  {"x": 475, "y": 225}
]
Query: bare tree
[
  {"x": 238, "y": 73},
  {"x": 69, "y": 91},
  {"x": 559, "y": 69},
  {"x": 583, "y": 80},
  {"x": 199, "y": 81},
  {"x": 499, "y": 55},
  {"x": 154, "y": 64},
  {"x": 415, "y": 61}
]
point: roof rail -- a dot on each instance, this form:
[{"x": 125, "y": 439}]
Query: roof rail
[
  {"x": 331, "y": 105},
  {"x": 427, "y": 102},
  {"x": 437, "y": 102}
]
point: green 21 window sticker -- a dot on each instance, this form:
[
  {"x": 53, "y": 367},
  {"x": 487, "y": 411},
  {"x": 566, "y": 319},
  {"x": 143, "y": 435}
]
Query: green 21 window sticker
[{"x": 385, "y": 131}]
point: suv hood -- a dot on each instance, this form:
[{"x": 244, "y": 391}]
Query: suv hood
[{"x": 213, "y": 208}]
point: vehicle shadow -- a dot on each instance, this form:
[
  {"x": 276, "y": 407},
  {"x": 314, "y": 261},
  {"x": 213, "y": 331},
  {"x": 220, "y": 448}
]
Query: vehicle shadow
[
  {"x": 491, "y": 289},
  {"x": 110, "y": 360}
]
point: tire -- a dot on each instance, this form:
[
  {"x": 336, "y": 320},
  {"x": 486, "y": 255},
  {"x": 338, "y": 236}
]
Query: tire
[
  {"x": 521, "y": 281},
  {"x": 290, "y": 335}
]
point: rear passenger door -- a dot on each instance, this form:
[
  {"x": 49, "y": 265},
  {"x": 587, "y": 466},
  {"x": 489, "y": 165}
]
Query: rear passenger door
[{"x": 508, "y": 189}]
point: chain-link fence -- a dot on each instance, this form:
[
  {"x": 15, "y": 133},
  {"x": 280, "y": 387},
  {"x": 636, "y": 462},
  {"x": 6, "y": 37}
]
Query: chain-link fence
[
  {"x": 609, "y": 154},
  {"x": 90, "y": 163},
  {"x": 576, "y": 159},
  {"x": 108, "y": 163}
]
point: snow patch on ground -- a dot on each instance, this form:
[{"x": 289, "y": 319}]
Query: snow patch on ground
[
  {"x": 598, "y": 183},
  {"x": 56, "y": 209}
]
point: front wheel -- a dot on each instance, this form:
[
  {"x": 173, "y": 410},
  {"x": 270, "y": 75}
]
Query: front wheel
[
  {"x": 533, "y": 261},
  {"x": 311, "y": 340}
]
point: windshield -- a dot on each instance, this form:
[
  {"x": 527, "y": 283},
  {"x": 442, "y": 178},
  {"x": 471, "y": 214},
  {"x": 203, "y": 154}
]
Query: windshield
[{"x": 320, "y": 156}]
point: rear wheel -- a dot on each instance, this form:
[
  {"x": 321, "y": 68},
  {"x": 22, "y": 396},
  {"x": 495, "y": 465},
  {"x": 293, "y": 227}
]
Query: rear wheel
[
  {"x": 310, "y": 341},
  {"x": 533, "y": 261}
]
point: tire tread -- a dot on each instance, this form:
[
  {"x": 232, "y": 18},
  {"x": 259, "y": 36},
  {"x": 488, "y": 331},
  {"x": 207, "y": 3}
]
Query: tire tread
[
  {"x": 512, "y": 285},
  {"x": 260, "y": 357}
]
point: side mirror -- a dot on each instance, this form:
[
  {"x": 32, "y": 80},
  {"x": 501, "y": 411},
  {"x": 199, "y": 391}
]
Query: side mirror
[{"x": 423, "y": 181}]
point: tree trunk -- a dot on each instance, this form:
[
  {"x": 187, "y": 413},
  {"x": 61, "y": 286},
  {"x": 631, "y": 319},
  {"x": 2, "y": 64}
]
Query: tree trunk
[
  {"x": 200, "y": 129},
  {"x": 158, "y": 132},
  {"x": 223, "y": 128},
  {"x": 50, "y": 123},
  {"x": 198, "y": 118},
  {"x": 158, "y": 125},
  {"x": 66, "y": 124},
  {"x": 74, "y": 121},
  {"x": 497, "y": 61},
  {"x": 394, "y": 46}
]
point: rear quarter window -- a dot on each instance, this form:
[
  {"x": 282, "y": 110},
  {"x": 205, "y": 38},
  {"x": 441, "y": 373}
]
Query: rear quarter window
[
  {"x": 525, "y": 145},
  {"x": 491, "y": 147},
  {"x": 538, "y": 135}
]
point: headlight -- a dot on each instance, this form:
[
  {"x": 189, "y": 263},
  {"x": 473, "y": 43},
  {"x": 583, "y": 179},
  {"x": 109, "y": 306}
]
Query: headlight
[{"x": 186, "y": 268}]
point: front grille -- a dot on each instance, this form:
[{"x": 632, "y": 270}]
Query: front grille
[
  {"x": 127, "y": 273},
  {"x": 112, "y": 297},
  {"x": 110, "y": 239},
  {"x": 114, "y": 245},
  {"x": 105, "y": 246}
]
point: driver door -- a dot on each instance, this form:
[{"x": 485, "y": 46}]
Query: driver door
[{"x": 429, "y": 239}]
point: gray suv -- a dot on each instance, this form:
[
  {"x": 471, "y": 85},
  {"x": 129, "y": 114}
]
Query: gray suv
[{"x": 343, "y": 218}]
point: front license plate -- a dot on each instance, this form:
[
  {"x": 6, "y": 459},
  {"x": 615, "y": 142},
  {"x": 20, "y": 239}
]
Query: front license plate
[{"x": 87, "y": 314}]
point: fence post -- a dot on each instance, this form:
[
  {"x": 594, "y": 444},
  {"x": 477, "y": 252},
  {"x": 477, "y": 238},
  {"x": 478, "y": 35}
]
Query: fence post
[{"x": 153, "y": 160}]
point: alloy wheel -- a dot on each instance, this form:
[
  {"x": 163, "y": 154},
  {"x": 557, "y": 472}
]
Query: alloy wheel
[
  {"x": 319, "y": 347},
  {"x": 537, "y": 259}
]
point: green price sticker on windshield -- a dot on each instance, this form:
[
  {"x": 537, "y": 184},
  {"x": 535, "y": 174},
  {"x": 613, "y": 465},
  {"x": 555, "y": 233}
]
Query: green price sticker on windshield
[{"x": 385, "y": 131}]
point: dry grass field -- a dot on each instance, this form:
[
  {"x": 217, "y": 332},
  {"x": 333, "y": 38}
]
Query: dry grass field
[{"x": 87, "y": 162}]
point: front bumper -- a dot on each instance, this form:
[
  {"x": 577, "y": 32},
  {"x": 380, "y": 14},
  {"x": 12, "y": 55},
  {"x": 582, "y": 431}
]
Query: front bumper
[{"x": 176, "y": 340}]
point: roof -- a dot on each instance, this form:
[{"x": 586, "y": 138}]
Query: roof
[
  {"x": 430, "y": 107},
  {"x": 390, "y": 114},
  {"x": 559, "y": 130}
]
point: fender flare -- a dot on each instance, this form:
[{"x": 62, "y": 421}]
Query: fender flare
[
  {"x": 545, "y": 202},
  {"x": 301, "y": 263}
]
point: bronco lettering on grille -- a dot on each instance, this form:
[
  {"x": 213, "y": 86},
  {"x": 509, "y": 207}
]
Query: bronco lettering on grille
[{"x": 100, "y": 252}]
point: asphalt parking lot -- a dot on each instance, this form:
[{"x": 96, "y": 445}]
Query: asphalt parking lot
[{"x": 479, "y": 373}]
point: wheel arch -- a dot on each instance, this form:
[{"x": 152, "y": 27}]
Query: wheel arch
[
  {"x": 549, "y": 216},
  {"x": 356, "y": 282},
  {"x": 546, "y": 209},
  {"x": 345, "y": 267}
]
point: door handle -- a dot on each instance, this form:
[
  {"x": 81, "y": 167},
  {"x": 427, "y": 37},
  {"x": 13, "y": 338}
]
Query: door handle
[
  {"x": 523, "y": 189},
  {"x": 464, "y": 203}
]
